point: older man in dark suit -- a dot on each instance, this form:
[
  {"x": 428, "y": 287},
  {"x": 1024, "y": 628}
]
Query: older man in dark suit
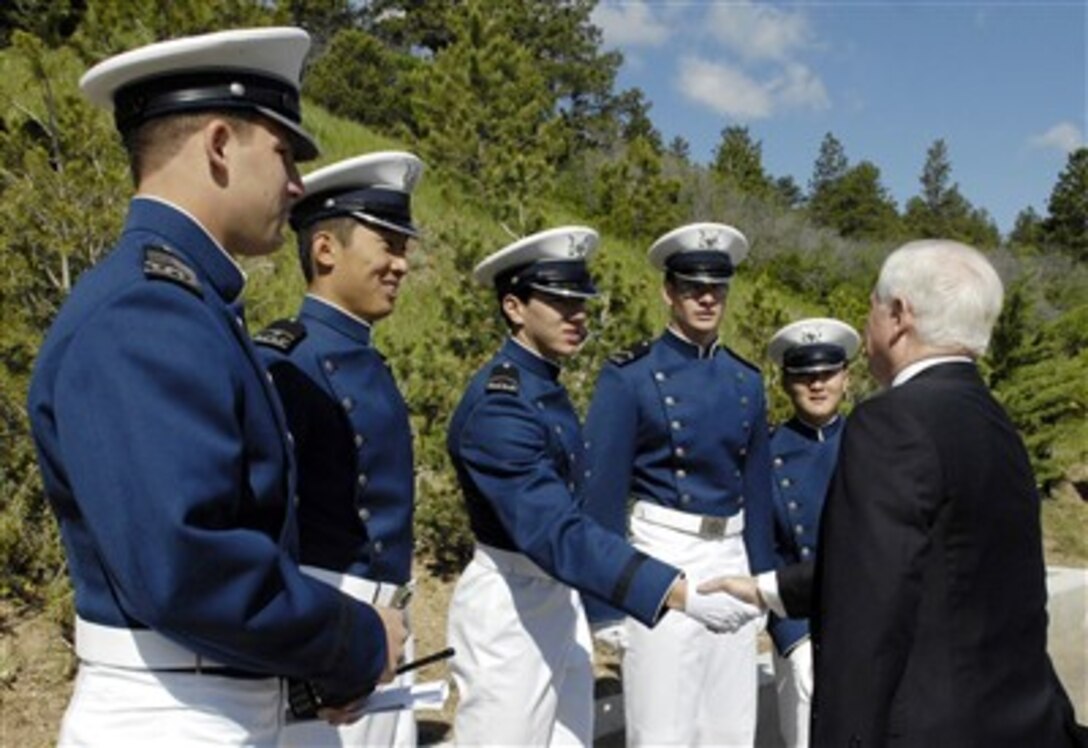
[{"x": 929, "y": 602}]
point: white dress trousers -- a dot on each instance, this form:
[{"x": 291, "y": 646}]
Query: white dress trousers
[
  {"x": 386, "y": 729},
  {"x": 682, "y": 684},
  {"x": 523, "y": 667},
  {"x": 116, "y": 707},
  {"x": 794, "y": 705}
]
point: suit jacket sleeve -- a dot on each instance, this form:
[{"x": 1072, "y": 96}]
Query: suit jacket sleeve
[
  {"x": 795, "y": 584},
  {"x": 874, "y": 538}
]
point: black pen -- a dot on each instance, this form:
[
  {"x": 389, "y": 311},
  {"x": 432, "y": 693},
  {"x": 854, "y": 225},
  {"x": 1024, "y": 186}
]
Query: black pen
[{"x": 447, "y": 652}]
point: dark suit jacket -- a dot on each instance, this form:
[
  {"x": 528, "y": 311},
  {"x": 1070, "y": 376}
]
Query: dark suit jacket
[
  {"x": 795, "y": 587},
  {"x": 930, "y": 600}
]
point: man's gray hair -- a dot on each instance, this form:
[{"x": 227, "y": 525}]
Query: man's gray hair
[{"x": 952, "y": 289}]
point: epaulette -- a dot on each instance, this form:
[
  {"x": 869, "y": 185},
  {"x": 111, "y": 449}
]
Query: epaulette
[
  {"x": 504, "y": 378},
  {"x": 742, "y": 359},
  {"x": 162, "y": 264},
  {"x": 283, "y": 335},
  {"x": 634, "y": 353}
]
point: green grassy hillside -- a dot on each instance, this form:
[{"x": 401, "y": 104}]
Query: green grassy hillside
[{"x": 445, "y": 326}]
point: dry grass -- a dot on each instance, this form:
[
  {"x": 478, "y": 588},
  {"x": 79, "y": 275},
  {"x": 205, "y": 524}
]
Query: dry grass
[
  {"x": 37, "y": 664},
  {"x": 1065, "y": 528}
]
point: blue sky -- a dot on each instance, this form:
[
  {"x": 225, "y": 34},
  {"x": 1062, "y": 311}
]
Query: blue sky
[{"x": 1004, "y": 83}]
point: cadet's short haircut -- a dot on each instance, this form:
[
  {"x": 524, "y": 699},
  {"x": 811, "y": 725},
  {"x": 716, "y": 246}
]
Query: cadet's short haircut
[
  {"x": 154, "y": 142},
  {"x": 340, "y": 227}
]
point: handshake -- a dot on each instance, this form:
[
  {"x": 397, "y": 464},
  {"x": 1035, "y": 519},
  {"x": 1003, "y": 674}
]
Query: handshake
[{"x": 721, "y": 604}]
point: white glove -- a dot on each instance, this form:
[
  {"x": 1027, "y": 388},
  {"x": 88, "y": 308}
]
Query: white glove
[
  {"x": 612, "y": 635},
  {"x": 800, "y": 659},
  {"x": 720, "y": 612}
]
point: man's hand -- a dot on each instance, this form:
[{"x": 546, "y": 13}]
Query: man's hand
[
  {"x": 744, "y": 589},
  {"x": 396, "y": 633},
  {"x": 612, "y": 635},
  {"x": 343, "y": 715},
  {"x": 722, "y": 614}
]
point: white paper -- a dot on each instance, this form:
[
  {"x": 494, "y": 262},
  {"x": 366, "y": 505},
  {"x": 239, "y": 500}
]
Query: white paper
[{"x": 420, "y": 697}]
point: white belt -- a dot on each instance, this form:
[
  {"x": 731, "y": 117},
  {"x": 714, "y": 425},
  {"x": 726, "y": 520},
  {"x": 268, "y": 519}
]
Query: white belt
[
  {"x": 136, "y": 649},
  {"x": 385, "y": 594},
  {"x": 703, "y": 526},
  {"x": 508, "y": 562}
]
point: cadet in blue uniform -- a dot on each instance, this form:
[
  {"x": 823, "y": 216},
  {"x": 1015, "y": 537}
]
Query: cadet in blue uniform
[
  {"x": 678, "y": 435},
  {"x": 813, "y": 355},
  {"x": 523, "y": 662},
  {"x": 164, "y": 451},
  {"x": 353, "y": 442}
]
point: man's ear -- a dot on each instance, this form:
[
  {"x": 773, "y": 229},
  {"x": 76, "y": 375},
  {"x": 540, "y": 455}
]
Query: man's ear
[
  {"x": 902, "y": 317},
  {"x": 514, "y": 309},
  {"x": 324, "y": 252},
  {"x": 219, "y": 138},
  {"x": 667, "y": 293}
]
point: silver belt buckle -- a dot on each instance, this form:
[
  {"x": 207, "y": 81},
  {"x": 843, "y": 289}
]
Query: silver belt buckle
[{"x": 712, "y": 527}]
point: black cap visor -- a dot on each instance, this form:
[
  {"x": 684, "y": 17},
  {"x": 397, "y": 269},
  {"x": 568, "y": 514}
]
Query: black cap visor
[
  {"x": 218, "y": 91},
  {"x": 814, "y": 358},
  {"x": 561, "y": 278},
  {"x": 383, "y": 207},
  {"x": 700, "y": 266}
]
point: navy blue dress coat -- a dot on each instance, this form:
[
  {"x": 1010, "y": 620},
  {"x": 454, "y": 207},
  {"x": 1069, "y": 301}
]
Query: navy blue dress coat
[
  {"x": 517, "y": 445},
  {"x": 685, "y": 428},
  {"x": 166, "y": 458},
  {"x": 804, "y": 459},
  {"x": 353, "y": 443}
]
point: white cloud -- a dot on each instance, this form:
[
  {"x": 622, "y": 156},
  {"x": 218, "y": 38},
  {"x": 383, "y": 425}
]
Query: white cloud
[
  {"x": 730, "y": 91},
  {"x": 629, "y": 24},
  {"x": 798, "y": 87},
  {"x": 755, "y": 71},
  {"x": 725, "y": 89},
  {"x": 1064, "y": 136},
  {"x": 758, "y": 32}
]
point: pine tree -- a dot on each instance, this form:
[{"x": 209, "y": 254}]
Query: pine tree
[
  {"x": 830, "y": 166},
  {"x": 322, "y": 19},
  {"x": 484, "y": 111},
  {"x": 850, "y": 200},
  {"x": 1066, "y": 228},
  {"x": 632, "y": 196},
  {"x": 941, "y": 211},
  {"x": 557, "y": 34},
  {"x": 631, "y": 111},
  {"x": 360, "y": 78},
  {"x": 738, "y": 162},
  {"x": 679, "y": 148},
  {"x": 1027, "y": 231},
  {"x": 63, "y": 185}
]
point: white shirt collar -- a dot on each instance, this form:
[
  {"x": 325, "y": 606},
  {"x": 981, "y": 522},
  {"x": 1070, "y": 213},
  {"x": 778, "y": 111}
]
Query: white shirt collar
[
  {"x": 341, "y": 309},
  {"x": 201, "y": 226},
  {"x": 912, "y": 370},
  {"x": 819, "y": 429},
  {"x": 538, "y": 354},
  {"x": 705, "y": 351}
]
